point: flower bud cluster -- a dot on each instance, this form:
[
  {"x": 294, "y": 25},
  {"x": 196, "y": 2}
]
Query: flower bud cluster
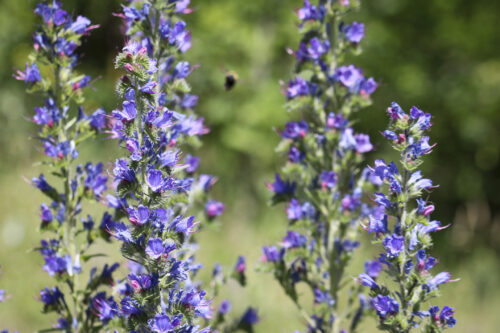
[
  {"x": 402, "y": 225},
  {"x": 157, "y": 188},
  {"x": 63, "y": 127},
  {"x": 322, "y": 182}
]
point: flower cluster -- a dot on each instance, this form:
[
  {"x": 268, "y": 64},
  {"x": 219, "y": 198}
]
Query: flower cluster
[
  {"x": 405, "y": 258},
  {"x": 322, "y": 181},
  {"x": 63, "y": 127},
  {"x": 157, "y": 188}
]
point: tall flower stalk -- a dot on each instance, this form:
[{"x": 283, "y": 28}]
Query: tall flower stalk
[
  {"x": 322, "y": 181},
  {"x": 157, "y": 186},
  {"x": 63, "y": 127},
  {"x": 402, "y": 306}
]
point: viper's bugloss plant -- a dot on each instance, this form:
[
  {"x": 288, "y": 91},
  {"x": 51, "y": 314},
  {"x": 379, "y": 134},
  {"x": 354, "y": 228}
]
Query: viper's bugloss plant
[
  {"x": 63, "y": 127},
  {"x": 402, "y": 225},
  {"x": 323, "y": 182},
  {"x": 158, "y": 190}
]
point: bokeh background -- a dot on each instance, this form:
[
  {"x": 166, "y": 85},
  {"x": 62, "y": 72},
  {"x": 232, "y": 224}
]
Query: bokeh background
[{"x": 440, "y": 55}]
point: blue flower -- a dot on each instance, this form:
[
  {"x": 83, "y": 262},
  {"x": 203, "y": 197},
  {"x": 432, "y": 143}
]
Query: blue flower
[
  {"x": 32, "y": 74},
  {"x": 155, "y": 248},
  {"x": 293, "y": 240},
  {"x": 446, "y": 316},
  {"x": 328, "y": 179},
  {"x": 105, "y": 308},
  {"x": 129, "y": 307},
  {"x": 250, "y": 316},
  {"x": 323, "y": 297},
  {"x": 181, "y": 70},
  {"x": 295, "y": 130},
  {"x": 354, "y": 32},
  {"x": 154, "y": 179},
  {"x": 224, "y": 307},
  {"x": 311, "y": 12},
  {"x": 385, "y": 306},
  {"x": 373, "y": 268},
  {"x": 46, "y": 214},
  {"x": 280, "y": 187},
  {"x": 298, "y": 87},
  {"x": 377, "y": 225},
  {"x": 240, "y": 265},
  {"x": 393, "y": 244},
  {"x": 139, "y": 216},
  {"x": 441, "y": 278},
  {"x": 161, "y": 323},
  {"x": 367, "y": 280},
  {"x": 271, "y": 253},
  {"x": 80, "y": 25},
  {"x": 214, "y": 208}
]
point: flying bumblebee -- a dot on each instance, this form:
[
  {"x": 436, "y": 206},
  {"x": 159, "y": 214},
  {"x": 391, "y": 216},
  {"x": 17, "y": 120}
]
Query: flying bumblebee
[{"x": 230, "y": 80}]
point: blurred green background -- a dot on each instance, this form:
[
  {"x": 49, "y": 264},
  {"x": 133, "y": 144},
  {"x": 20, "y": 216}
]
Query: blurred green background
[{"x": 440, "y": 55}]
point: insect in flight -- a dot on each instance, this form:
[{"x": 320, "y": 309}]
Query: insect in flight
[{"x": 230, "y": 80}]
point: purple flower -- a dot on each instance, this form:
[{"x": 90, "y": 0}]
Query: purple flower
[
  {"x": 393, "y": 244},
  {"x": 385, "y": 306},
  {"x": 297, "y": 87},
  {"x": 214, "y": 208},
  {"x": 294, "y": 210},
  {"x": 367, "y": 281},
  {"x": 123, "y": 172},
  {"x": 139, "y": 216},
  {"x": 181, "y": 70},
  {"x": 162, "y": 323},
  {"x": 441, "y": 278},
  {"x": 363, "y": 144},
  {"x": 350, "y": 77},
  {"x": 192, "y": 163},
  {"x": 418, "y": 182},
  {"x": 295, "y": 130},
  {"x": 354, "y": 32},
  {"x": 105, "y": 308},
  {"x": 80, "y": 25},
  {"x": 336, "y": 121},
  {"x": 423, "y": 209},
  {"x": 317, "y": 48},
  {"x": 323, "y": 297},
  {"x": 154, "y": 179},
  {"x": 98, "y": 119},
  {"x": 129, "y": 307},
  {"x": 183, "y": 225},
  {"x": 51, "y": 296},
  {"x": 32, "y": 74},
  {"x": 46, "y": 214},
  {"x": 311, "y": 12},
  {"x": 390, "y": 135},
  {"x": 328, "y": 179},
  {"x": 240, "y": 265},
  {"x": 155, "y": 248},
  {"x": 373, "y": 268},
  {"x": 396, "y": 112},
  {"x": 446, "y": 316},
  {"x": 143, "y": 281},
  {"x": 224, "y": 307},
  {"x": 377, "y": 224},
  {"x": 128, "y": 113},
  {"x": 149, "y": 87},
  {"x": 271, "y": 253},
  {"x": 121, "y": 232},
  {"x": 280, "y": 187},
  {"x": 293, "y": 240},
  {"x": 250, "y": 317}
]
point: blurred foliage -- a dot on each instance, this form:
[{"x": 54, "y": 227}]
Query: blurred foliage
[{"x": 442, "y": 56}]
